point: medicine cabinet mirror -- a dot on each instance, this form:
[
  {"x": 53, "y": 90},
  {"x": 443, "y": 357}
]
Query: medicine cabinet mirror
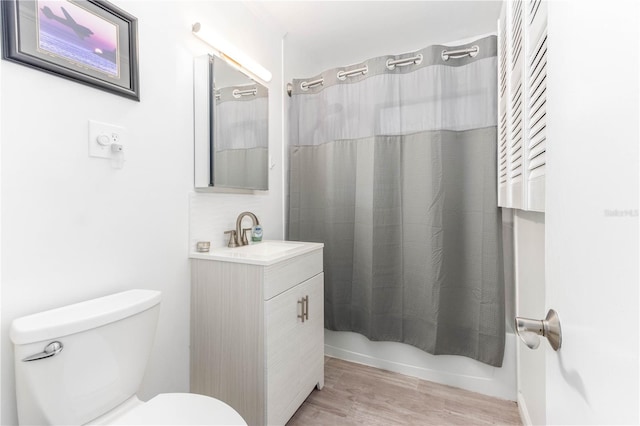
[{"x": 231, "y": 127}]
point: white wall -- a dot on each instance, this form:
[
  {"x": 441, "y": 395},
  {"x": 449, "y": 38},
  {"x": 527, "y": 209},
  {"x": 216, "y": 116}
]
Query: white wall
[
  {"x": 508, "y": 256},
  {"x": 326, "y": 35},
  {"x": 530, "y": 303},
  {"x": 74, "y": 228}
]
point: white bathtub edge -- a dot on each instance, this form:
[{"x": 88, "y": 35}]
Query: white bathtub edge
[{"x": 449, "y": 370}]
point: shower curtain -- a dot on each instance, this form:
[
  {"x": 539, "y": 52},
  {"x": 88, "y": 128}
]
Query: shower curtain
[
  {"x": 394, "y": 171},
  {"x": 241, "y": 136}
]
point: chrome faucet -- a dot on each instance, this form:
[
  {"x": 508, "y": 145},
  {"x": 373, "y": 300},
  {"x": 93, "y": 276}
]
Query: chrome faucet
[{"x": 240, "y": 233}]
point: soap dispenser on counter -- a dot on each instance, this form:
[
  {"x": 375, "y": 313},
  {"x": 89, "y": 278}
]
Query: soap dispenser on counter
[{"x": 256, "y": 233}]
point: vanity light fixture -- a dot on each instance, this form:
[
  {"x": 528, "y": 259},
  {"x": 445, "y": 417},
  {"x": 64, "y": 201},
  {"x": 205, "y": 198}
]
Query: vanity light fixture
[{"x": 230, "y": 52}]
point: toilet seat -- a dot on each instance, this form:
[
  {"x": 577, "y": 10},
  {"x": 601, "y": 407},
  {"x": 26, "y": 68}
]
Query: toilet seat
[{"x": 181, "y": 409}]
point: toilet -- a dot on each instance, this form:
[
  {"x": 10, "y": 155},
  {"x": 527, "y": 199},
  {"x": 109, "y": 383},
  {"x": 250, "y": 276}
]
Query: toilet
[{"x": 83, "y": 364}]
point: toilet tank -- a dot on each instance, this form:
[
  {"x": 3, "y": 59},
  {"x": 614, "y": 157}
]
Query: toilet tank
[{"x": 106, "y": 345}]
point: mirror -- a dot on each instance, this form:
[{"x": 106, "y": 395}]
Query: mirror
[{"x": 231, "y": 127}]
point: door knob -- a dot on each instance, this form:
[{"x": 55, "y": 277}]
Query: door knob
[{"x": 529, "y": 329}]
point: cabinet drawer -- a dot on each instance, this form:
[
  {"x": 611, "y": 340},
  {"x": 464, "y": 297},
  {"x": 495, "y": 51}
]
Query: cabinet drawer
[{"x": 282, "y": 276}]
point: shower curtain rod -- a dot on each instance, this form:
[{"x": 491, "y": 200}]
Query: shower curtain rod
[{"x": 391, "y": 64}]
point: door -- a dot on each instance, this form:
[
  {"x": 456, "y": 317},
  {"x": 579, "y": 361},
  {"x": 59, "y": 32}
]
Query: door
[{"x": 592, "y": 212}]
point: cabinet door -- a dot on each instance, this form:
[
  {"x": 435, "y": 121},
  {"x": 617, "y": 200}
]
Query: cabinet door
[
  {"x": 295, "y": 348},
  {"x": 283, "y": 353},
  {"x": 312, "y": 337}
]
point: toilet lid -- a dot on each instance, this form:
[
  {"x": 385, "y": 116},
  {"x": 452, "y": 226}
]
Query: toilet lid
[{"x": 181, "y": 409}]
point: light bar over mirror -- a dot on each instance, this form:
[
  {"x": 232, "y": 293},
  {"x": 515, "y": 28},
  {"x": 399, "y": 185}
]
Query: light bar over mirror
[{"x": 230, "y": 52}]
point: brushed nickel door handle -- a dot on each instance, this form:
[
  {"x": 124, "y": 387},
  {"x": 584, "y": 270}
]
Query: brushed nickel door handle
[
  {"x": 306, "y": 310},
  {"x": 529, "y": 329}
]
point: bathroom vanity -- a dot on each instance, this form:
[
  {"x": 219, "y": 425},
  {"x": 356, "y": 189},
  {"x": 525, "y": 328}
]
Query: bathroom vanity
[{"x": 257, "y": 327}]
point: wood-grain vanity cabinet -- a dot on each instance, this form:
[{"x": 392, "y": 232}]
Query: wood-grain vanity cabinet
[{"x": 257, "y": 334}]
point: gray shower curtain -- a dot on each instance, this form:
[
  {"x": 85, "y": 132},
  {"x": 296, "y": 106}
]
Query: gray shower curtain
[
  {"x": 241, "y": 137},
  {"x": 395, "y": 172}
]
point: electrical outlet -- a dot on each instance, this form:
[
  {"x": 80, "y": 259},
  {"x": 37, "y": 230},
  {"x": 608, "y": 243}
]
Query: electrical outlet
[{"x": 102, "y": 136}]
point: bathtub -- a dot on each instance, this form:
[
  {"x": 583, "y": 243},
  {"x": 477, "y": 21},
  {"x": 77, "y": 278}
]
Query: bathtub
[{"x": 451, "y": 370}]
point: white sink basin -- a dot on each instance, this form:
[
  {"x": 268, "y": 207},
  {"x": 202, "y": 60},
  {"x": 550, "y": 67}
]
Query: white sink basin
[
  {"x": 263, "y": 253},
  {"x": 267, "y": 248}
]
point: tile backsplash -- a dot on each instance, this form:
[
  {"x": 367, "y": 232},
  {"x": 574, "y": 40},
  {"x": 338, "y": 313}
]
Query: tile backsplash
[{"x": 211, "y": 214}]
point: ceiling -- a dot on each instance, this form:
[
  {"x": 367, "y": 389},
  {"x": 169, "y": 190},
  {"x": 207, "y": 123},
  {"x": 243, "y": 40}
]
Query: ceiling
[{"x": 365, "y": 28}]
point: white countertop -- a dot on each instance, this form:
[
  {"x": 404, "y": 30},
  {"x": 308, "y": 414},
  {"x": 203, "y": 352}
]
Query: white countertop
[{"x": 263, "y": 253}]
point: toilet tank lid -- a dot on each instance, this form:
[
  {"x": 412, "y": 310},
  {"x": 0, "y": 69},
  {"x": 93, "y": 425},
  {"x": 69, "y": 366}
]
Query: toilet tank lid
[{"x": 82, "y": 316}]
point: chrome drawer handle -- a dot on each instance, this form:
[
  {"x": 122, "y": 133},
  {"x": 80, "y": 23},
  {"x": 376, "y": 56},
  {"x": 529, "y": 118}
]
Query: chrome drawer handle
[{"x": 53, "y": 348}]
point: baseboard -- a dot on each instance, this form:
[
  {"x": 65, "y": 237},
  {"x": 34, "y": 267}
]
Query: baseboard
[{"x": 524, "y": 412}]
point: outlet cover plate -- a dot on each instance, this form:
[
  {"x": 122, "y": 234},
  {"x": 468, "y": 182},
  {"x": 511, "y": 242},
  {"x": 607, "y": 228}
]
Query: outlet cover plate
[{"x": 115, "y": 134}]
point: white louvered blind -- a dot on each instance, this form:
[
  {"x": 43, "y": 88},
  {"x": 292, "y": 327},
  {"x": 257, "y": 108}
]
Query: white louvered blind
[
  {"x": 522, "y": 77},
  {"x": 516, "y": 33},
  {"x": 515, "y": 149},
  {"x": 502, "y": 109},
  {"x": 534, "y": 8},
  {"x": 537, "y": 103},
  {"x": 516, "y": 117}
]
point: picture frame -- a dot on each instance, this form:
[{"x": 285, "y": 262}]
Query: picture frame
[{"x": 88, "y": 41}]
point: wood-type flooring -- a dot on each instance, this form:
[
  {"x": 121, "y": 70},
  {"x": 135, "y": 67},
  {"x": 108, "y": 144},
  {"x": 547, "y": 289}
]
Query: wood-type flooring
[{"x": 356, "y": 394}]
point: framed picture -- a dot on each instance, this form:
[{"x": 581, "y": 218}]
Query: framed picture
[{"x": 89, "y": 41}]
